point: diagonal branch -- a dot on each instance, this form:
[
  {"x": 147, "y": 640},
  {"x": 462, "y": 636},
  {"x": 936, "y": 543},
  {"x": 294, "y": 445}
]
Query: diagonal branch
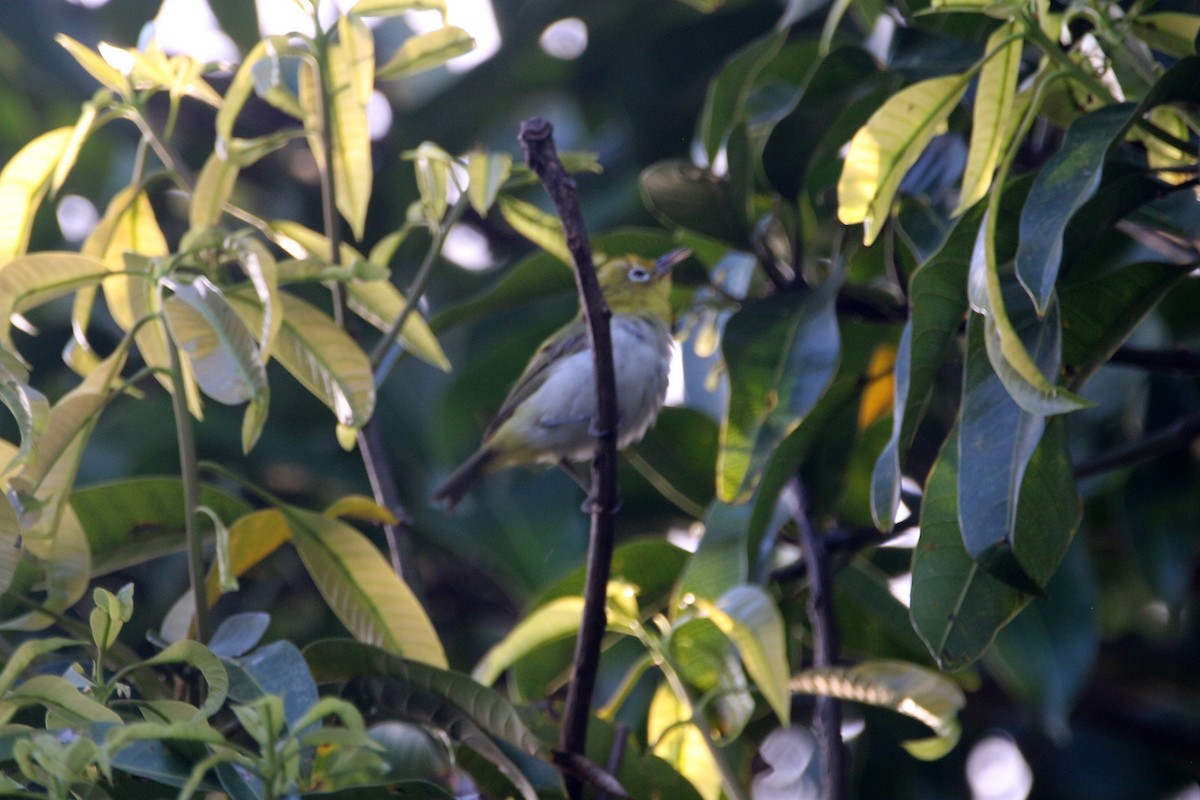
[{"x": 537, "y": 144}]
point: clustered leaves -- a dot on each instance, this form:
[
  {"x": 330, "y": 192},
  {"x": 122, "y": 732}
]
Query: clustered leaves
[{"x": 936, "y": 358}]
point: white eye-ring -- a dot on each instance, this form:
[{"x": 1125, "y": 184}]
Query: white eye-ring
[{"x": 639, "y": 275}]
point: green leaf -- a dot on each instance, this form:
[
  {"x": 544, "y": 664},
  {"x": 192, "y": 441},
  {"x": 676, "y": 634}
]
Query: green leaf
[
  {"x": 781, "y": 354},
  {"x": 486, "y": 173},
  {"x": 994, "y": 95},
  {"x": 203, "y": 661},
  {"x": 55, "y": 694},
  {"x": 26, "y": 653},
  {"x": 469, "y": 713},
  {"x": 351, "y": 67},
  {"x": 725, "y": 102},
  {"x": 136, "y": 520},
  {"x": 748, "y": 616},
  {"x": 29, "y": 407},
  {"x": 956, "y": 606},
  {"x": 79, "y": 134},
  {"x": 1046, "y": 655},
  {"x": 10, "y": 546},
  {"x": 680, "y": 193},
  {"x": 29, "y": 281},
  {"x": 1168, "y": 32},
  {"x": 884, "y": 149},
  {"x": 432, "y": 165},
  {"x": 673, "y": 737},
  {"x": 1062, "y": 185},
  {"x": 66, "y": 562},
  {"x": 362, "y": 588},
  {"x": 390, "y": 8},
  {"x": 1100, "y": 313},
  {"x": 721, "y": 562},
  {"x": 427, "y": 50},
  {"x": 905, "y": 688},
  {"x": 544, "y": 230},
  {"x": 319, "y": 354},
  {"x": 380, "y": 303},
  {"x": 275, "y": 669},
  {"x": 214, "y": 185},
  {"x": 555, "y": 620}
]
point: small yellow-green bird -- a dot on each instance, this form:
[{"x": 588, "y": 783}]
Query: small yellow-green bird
[{"x": 547, "y": 416}]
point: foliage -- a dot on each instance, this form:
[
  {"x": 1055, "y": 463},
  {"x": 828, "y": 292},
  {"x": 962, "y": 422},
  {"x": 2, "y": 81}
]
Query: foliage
[{"x": 917, "y": 270}]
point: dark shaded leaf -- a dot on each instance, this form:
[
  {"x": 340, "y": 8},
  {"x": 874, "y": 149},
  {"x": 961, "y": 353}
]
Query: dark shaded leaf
[{"x": 680, "y": 193}]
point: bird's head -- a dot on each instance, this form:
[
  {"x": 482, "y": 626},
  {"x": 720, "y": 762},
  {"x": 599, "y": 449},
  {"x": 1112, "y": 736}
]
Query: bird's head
[{"x": 634, "y": 285}]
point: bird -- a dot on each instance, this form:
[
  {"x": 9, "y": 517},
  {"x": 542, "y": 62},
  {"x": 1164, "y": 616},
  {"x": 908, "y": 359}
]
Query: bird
[{"x": 548, "y": 415}]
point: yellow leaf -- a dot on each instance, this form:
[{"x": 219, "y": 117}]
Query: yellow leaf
[
  {"x": 96, "y": 66},
  {"x": 884, "y": 149},
  {"x": 678, "y": 742},
  {"x": 357, "y": 506},
  {"x": 989, "y": 120},
  {"x": 879, "y": 393},
  {"x": 252, "y": 538},
  {"x": 23, "y": 183},
  {"x": 537, "y": 226}
]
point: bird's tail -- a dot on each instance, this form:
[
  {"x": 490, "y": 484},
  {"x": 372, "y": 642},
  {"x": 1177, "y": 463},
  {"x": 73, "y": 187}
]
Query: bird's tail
[{"x": 463, "y": 479}]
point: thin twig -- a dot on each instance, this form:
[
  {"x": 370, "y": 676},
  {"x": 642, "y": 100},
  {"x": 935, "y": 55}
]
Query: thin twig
[
  {"x": 615, "y": 754},
  {"x": 383, "y": 487},
  {"x": 537, "y": 144},
  {"x": 1176, "y": 436},
  {"x": 827, "y": 718}
]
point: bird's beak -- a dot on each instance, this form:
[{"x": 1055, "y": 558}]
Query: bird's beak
[{"x": 666, "y": 263}]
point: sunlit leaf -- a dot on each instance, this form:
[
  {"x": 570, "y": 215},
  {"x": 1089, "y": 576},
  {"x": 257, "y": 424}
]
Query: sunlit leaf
[
  {"x": 994, "y": 100},
  {"x": 370, "y": 599},
  {"x": 555, "y": 620},
  {"x": 24, "y": 182},
  {"x": 544, "y": 230},
  {"x": 1170, "y": 32},
  {"x": 319, "y": 354},
  {"x": 10, "y": 540},
  {"x": 351, "y": 67},
  {"x": 357, "y": 506},
  {"x": 96, "y": 65},
  {"x": 29, "y": 407},
  {"x": 426, "y": 51},
  {"x": 886, "y": 147},
  {"x": 380, "y": 303},
  {"x": 214, "y": 185},
  {"x": 781, "y": 354},
  {"x": 432, "y": 167},
  {"x": 32, "y": 280},
  {"x": 388, "y": 8},
  {"x": 83, "y": 128},
  {"x": 469, "y": 713},
  {"x": 749, "y": 617},
  {"x": 1161, "y": 155},
  {"x": 486, "y": 173},
  {"x": 676, "y": 740},
  {"x": 224, "y": 357},
  {"x": 270, "y": 50},
  {"x": 252, "y": 537},
  {"x": 908, "y": 689},
  {"x": 876, "y": 402}
]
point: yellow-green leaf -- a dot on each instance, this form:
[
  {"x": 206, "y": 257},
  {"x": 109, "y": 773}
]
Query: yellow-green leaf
[
  {"x": 426, "y": 51},
  {"x": 674, "y": 738},
  {"x": 23, "y": 183},
  {"x": 351, "y": 81},
  {"x": 35, "y": 279},
  {"x": 55, "y": 694},
  {"x": 380, "y": 303},
  {"x": 486, "y": 173},
  {"x": 924, "y": 695},
  {"x": 95, "y": 65},
  {"x": 884, "y": 149},
  {"x": 83, "y": 127},
  {"x": 252, "y": 538},
  {"x": 359, "y": 506},
  {"x": 1170, "y": 32},
  {"x": 272, "y": 48},
  {"x": 555, "y": 620},
  {"x": 990, "y": 117},
  {"x": 214, "y": 185},
  {"x": 432, "y": 166},
  {"x": 300, "y": 242},
  {"x": 537, "y": 226},
  {"x": 361, "y": 588},
  {"x": 319, "y": 354}
]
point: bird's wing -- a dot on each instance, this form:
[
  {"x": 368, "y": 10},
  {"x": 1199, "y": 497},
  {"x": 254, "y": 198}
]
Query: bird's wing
[{"x": 566, "y": 342}]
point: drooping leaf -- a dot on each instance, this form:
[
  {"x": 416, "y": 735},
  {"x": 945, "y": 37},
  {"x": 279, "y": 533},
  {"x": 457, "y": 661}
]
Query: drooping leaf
[
  {"x": 55, "y": 694},
  {"x": 426, "y": 51},
  {"x": 725, "y": 102},
  {"x": 26, "y": 653},
  {"x": 252, "y": 537},
  {"x": 674, "y": 738},
  {"x": 543, "y": 229},
  {"x": 469, "y": 713},
  {"x": 555, "y": 620},
  {"x": 351, "y": 66},
  {"x": 993, "y": 106},
  {"x": 362, "y": 589},
  {"x": 29, "y": 281},
  {"x": 319, "y": 354},
  {"x": 957, "y": 607},
  {"x": 361, "y": 507},
  {"x": 889, "y": 144},
  {"x": 214, "y": 185},
  {"x": 1067, "y": 180},
  {"x": 748, "y": 616},
  {"x": 781, "y": 354},
  {"x": 270, "y": 51},
  {"x": 96, "y": 66},
  {"x": 203, "y": 661},
  {"x": 29, "y": 407},
  {"x": 908, "y": 689}
]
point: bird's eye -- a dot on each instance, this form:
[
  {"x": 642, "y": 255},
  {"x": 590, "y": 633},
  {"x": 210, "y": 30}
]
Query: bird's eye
[{"x": 639, "y": 275}]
